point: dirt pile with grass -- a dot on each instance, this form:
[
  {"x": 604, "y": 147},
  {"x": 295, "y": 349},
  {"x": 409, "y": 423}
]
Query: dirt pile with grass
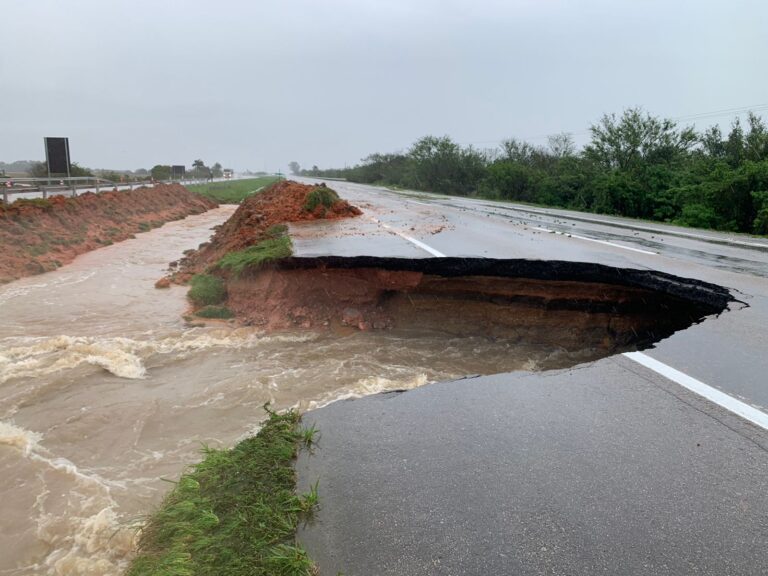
[
  {"x": 39, "y": 235},
  {"x": 255, "y": 220},
  {"x": 254, "y": 238}
]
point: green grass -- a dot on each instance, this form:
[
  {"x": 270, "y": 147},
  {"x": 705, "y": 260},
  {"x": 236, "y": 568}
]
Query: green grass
[
  {"x": 221, "y": 312},
  {"x": 38, "y": 202},
  {"x": 233, "y": 514},
  {"x": 320, "y": 196},
  {"x": 206, "y": 290},
  {"x": 232, "y": 191},
  {"x": 256, "y": 256},
  {"x": 277, "y": 230}
]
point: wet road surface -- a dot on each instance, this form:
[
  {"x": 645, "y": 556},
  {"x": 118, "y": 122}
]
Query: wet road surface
[{"x": 610, "y": 467}]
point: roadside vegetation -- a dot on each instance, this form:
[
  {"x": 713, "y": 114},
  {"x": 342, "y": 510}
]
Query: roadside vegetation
[
  {"x": 635, "y": 165},
  {"x": 235, "y": 513},
  {"x": 320, "y": 196},
  {"x": 256, "y": 256},
  {"x": 206, "y": 290},
  {"x": 232, "y": 191},
  {"x": 217, "y": 312}
]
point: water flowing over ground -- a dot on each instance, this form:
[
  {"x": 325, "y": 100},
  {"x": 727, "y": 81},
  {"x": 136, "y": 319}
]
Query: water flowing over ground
[{"x": 105, "y": 392}]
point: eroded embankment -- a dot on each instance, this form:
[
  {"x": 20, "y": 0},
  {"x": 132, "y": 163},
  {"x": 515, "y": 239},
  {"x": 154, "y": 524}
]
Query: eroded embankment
[
  {"x": 551, "y": 306},
  {"x": 40, "y": 235},
  {"x": 285, "y": 201}
]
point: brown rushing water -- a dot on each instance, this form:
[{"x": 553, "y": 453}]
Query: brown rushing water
[{"x": 104, "y": 392}]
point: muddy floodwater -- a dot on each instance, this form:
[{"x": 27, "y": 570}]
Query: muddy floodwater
[{"x": 105, "y": 392}]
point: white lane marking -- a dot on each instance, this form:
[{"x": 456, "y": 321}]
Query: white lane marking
[
  {"x": 712, "y": 394},
  {"x": 411, "y": 239},
  {"x": 722, "y": 399},
  {"x": 593, "y": 240},
  {"x": 631, "y": 226}
]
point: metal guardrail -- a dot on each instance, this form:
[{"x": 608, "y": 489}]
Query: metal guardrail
[{"x": 59, "y": 186}]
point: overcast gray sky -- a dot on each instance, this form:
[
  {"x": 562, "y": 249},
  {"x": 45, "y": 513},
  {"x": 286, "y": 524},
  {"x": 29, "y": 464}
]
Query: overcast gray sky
[{"x": 256, "y": 84}]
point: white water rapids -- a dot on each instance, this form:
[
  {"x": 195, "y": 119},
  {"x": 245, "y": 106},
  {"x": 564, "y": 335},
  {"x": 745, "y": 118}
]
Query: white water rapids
[{"x": 105, "y": 392}]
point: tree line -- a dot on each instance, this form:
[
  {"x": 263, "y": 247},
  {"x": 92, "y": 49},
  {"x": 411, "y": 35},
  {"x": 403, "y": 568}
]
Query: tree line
[
  {"x": 158, "y": 172},
  {"x": 634, "y": 165}
]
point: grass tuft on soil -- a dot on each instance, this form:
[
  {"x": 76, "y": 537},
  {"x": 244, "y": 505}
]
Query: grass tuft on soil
[
  {"x": 219, "y": 312},
  {"x": 235, "y": 513},
  {"x": 320, "y": 196},
  {"x": 256, "y": 256},
  {"x": 232, "y": 191},
  {"x": 206, "y": 290}
]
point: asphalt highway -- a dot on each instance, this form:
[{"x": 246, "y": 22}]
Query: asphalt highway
[{"x": 643, "y": 463}]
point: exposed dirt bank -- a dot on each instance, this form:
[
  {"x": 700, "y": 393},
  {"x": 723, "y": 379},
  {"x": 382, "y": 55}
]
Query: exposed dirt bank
[
  {"x": 555, "y": 305},
  {"x": 283, "y": 202},
  {"x": 40, "y": 235}
]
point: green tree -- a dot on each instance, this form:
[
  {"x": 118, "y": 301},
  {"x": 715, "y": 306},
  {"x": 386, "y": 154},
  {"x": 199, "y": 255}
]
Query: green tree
[
  {"x": 635, "y": 139},
  {"x": 561, "y": 145},
  {"x": 40, "y": 170},
  {"x": 160, "y": 172},
  {"x": 217, "y": 170},
  {"x": 294, "y": 167},
  {"x": 200, "y": 170},
  {"x": 441, "y": 165}
]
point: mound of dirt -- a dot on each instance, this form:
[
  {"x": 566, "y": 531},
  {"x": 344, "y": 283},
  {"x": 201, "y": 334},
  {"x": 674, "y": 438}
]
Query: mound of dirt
[
  {"x": 40, "y": 235},
  {"x": 282, "y": 202}
]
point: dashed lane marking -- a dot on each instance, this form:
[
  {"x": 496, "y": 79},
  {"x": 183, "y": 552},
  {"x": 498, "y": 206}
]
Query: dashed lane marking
[
  {"x": 411, "y": 239},
  {"x": 742, "y": 409},
  {"x": 593, "y": 240}
]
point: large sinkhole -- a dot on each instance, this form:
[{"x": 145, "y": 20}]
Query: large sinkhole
[{"x": 556, "y": 313}]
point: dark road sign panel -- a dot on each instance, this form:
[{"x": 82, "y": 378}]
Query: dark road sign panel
[
  {"x": 57, "y": 156},
  {"x": 177, "y": 172}
]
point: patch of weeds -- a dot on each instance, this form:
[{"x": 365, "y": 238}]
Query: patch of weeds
[
  {"x": 145, "y": 226},
  {"x": 256, "y": 256},
  {"x": 234, "y": 513},
  {"x": 320, "y": 196},
  {"x": 221, "y": 312},
  {"x": 310, "y": 500},
  {"x": 38, "y": 202},
  {"x": 112, "y": 231},
  {"x": 309, "y": 436},
  {"x": 206, "y": 290},
  {"x": 38, "y": 249},
  {"x": 277, "y": 230}
]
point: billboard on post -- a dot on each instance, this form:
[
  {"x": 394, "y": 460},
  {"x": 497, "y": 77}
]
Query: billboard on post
[
  {"x": 178, "y": 172},
  {"x": 57, "y": 156}
]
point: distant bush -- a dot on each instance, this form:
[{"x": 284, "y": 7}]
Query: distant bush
[
  {"x": 256, "y": 256},
  {"x": 206, "y": 290},
  {"x": 221, "y": 312},
  {"x": 320, "y": 196}
]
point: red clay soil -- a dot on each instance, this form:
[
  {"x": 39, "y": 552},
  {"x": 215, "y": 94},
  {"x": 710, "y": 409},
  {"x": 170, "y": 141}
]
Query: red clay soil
[
  {"x": 280, "y": 203},
  {"x": 40, "y": 235},
  {"x": 369, "y": 298}
]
